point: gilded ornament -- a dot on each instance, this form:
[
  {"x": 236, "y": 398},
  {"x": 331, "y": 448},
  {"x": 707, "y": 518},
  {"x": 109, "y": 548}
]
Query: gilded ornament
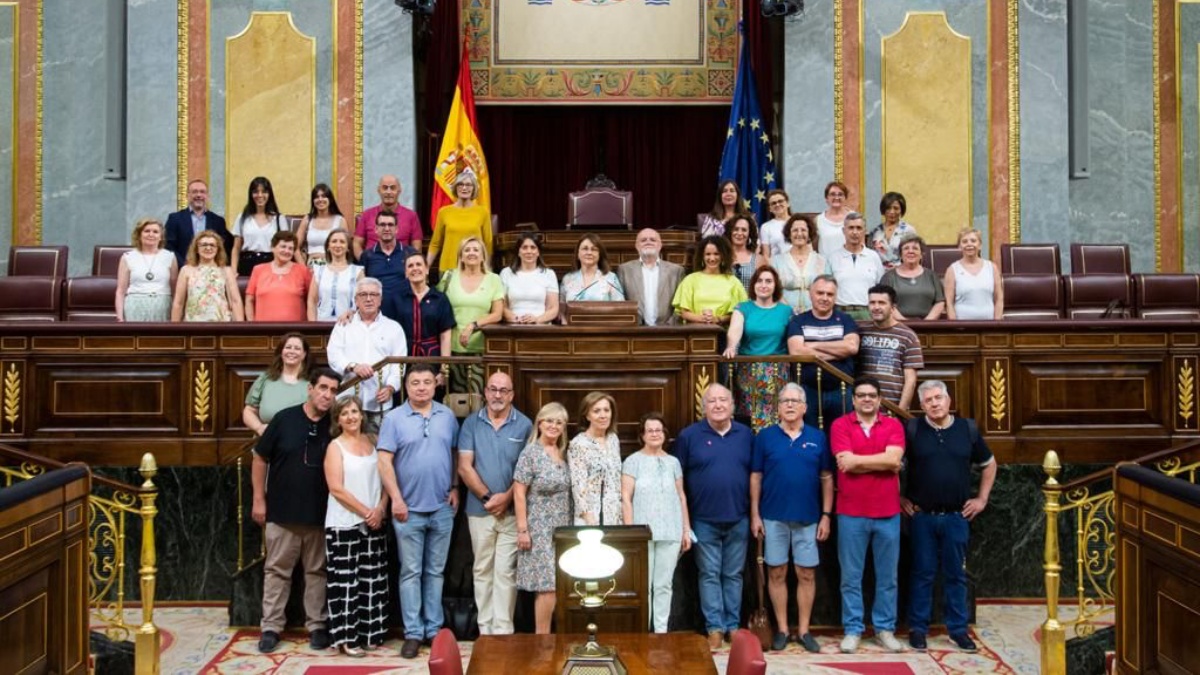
[
  {"x": 1186, "y": 390},
  {"x": 1156, "y": 91},
  {"x": 1014, "y": 122},
  {"x": 839, "y": 93},
  {"x": 12, "y": 397},
  {"x": 998, "y": 392},
  {"x": 702, "y": 382},
  {"x": 202, "y": 401},
  {"x": 183, "y": 70}
]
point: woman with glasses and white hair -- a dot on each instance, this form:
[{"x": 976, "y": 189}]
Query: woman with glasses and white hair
[
  {"x": 458, "y": 222},
  {"x": 207, "y": 288}
]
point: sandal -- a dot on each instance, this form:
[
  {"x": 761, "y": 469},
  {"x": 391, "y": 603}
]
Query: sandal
[{"x": 352, "y": 651}]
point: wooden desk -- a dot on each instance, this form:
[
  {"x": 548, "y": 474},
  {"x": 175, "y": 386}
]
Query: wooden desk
[{"x": 642, "y": 653}]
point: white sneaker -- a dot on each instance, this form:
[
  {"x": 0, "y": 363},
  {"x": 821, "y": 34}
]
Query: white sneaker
[
  {"x": 850, "y": 644},
  {"x": 889, "y": 641}
]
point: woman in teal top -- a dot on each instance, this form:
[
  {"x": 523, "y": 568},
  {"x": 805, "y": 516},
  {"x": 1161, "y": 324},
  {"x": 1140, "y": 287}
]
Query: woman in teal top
[
  {"x": 709, "y": 294},
  {"x": 476, "y": 295},
  {"x": 283, "y": 385},
  {"x": 758, "y": 328}
]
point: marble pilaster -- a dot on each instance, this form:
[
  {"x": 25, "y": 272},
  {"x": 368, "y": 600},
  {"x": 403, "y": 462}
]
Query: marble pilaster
[
  {"x": 389, "y": 144},
  {"x": 808, "y": 106},
  {"x": 1044, "y": 128},
  {"x": 150, "y": 98},
  {"x": 8, "y": 126}
]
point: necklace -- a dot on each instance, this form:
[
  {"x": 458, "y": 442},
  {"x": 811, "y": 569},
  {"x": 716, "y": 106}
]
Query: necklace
[{"x": 149, "y": 266}]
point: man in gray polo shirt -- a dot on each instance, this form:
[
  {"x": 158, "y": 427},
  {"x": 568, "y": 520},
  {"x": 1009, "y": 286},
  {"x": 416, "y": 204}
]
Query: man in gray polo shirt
[
  {"x": 417, "y": 441},
  {"x": 488, "y": 446}
]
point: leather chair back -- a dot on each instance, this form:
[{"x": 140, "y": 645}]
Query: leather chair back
[
  {"x": 90, "y": 299},
  {"x": 1099, "y": 259},
  {"x": 444, "y": 655},
  {"x": 1167, "y": 296},
  {"x": 745, "y": 655},
  {"x": 1030, "y": 259},
  {"x": 37, "y": 261},
  {"x": 26, "y": 298},
  {"x": 1033, "y": 297},
  {"x": 600, "y": 207},
  {"x": 107, "y": 259},
  {"x": 939, "y": 257},
  {"x": 1099, "y": 296}
]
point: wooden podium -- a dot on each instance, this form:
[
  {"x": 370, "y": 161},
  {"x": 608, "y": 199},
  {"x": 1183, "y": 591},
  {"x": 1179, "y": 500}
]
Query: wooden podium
[{"x": 628, "y": 607}]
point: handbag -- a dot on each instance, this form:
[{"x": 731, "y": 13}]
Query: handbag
[{"x": 760, "y": 624}]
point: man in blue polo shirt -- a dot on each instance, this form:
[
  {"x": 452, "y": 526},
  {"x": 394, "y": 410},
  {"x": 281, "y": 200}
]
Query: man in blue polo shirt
[
  {"x": 791, "y": 503},
  {"x": 489, "y": 444},
  {"x": 942, "y": 449},
  {"x": 831, "y": 335},
  {"x": 417, "y": 446},
  {"x": 715, "y": 456},
  {"x": 385, "y": 261}
]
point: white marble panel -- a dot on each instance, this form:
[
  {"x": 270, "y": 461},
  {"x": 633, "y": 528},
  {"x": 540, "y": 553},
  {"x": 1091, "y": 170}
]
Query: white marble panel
[
  {"x": 389, "y": 143},
  {"x": 8, "y": 126},
  {"x": 808, "y": 157},
  {"x": 151, "y": 158},
  {"x": 1045, "y": 169}
]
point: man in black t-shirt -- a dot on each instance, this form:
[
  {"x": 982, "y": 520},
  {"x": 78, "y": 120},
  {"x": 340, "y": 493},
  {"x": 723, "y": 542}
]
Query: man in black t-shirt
[
  {"x": 941, "y": 451},
  {"x": 290, "y": 495}
]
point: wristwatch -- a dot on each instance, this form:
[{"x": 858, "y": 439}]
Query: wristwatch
[
  {"x": 350, "y": 367},
  {"x": 485, "y": 497}
]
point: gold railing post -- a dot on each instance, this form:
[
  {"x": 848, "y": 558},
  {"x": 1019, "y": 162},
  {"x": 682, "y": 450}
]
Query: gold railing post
[
  {"x": 1054, "y": 643},
  {"x": 146, "y": 657},
  {"x": 241, "y": 522}
]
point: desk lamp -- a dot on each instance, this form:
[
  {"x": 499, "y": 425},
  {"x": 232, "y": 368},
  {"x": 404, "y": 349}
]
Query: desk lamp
[{"x": 591, "y": 563}]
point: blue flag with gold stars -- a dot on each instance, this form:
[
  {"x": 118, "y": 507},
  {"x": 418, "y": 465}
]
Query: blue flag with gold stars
[{"x": 747, "y": 157}]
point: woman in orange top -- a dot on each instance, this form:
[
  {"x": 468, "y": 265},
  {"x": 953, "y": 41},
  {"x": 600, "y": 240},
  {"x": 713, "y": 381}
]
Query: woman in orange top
[{"x": 278, "y": 290}]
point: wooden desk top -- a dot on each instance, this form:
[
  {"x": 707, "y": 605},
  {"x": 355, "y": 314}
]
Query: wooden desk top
[{"x": 642, "y": 653}]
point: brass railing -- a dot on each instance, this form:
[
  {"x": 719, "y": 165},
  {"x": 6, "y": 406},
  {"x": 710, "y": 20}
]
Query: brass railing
[
  {"x": 1090, "y": 500},
  {"x": 109, "y": 505},
  {"x": 845, "y": 382}
]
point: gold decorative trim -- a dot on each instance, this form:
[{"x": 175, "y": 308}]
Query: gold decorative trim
[
  {"x": 839, "y": 93},
  {"x": 1156, "y": 78},
  {"x": 202, "y": 394},
  {"x": 1014, "y": 122},
  {"x": 37, "y": 129},
  {"x": 998, "y": 393},
  {"x": 703, "y": 379},
  {"x": 183, "y": 73},
  {"x": 358, "y": 104},
  {"x": 12, "y": 397},
  {"x": 1185, "y": 388}
]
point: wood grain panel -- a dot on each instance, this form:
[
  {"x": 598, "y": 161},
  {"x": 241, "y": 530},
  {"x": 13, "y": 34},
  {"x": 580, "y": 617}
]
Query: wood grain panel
[
  {"x": 1069, "y": 394},
  {"x": 116, "y": 397}
]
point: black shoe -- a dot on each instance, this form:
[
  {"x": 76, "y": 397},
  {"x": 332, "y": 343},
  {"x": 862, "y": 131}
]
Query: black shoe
[
  {"x": 779, "y": 642},
  {"x": 269, "y": 642},
  {"x": 427, "y": 642},
  {"x": 810, "y": 643},
  {"x": 916, "y": 640},
  {"x": 319, "y": 639},
  {"x": 964, "y": 642},
  {"x": 411, "y": 648}
]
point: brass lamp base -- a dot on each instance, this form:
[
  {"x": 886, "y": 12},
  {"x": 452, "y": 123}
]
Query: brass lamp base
[{"x": 592, "y": 658}]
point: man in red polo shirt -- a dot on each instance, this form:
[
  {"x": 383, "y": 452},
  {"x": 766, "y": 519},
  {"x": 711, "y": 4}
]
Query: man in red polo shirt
[{"x": 868, "y": 448}]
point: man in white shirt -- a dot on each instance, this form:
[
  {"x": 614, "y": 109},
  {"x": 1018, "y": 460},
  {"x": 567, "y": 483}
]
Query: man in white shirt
[
  {"x": 367, "y": 338},
  {"x": 856, "y": 267},
  {"x": 650, "y": 280}
]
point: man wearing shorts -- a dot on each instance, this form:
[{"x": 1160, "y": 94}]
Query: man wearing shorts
[{"x": 791, "y": 499}]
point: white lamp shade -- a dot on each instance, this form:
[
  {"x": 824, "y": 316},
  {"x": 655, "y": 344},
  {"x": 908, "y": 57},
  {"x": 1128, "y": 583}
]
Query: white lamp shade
[{"x": 590, "y": 558}]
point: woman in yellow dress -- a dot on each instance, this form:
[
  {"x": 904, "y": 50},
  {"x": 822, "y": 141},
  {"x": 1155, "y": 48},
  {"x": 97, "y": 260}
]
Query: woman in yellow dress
[{"x": 459, "y": 221}]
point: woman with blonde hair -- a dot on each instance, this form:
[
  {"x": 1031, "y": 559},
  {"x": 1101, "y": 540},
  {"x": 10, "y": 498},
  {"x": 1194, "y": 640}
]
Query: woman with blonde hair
[
  {"x": 541, "y": 502},
  {"x": 476, "y": 295},
  {"x": 974, "y": 289},
  {"x": 207, "y": 288},
  {"x": 464, "y": 219},
  {"x": 146, "y": 276},
  {"x": 595, "y": 460}
]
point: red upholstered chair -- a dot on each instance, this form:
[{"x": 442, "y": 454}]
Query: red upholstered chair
[
  {"x": 107, "y": 259},
  {"x": 1167, "y": 296},
  {"x": 1030, "y": 259},
  {"x": 745, "y": 655},
  {"x": 599, "y": 208},
  {"x": 1033, "y": 297},
  {"x": 30, "y": 298},
  {"x": 1099, "y": 296},
  {"x": 1099, "y": 258},
  {"x": 939, "y": 257},
  {"x": 37, "y": 261},
  {"x": 444, "y": 656},
  {"x": 90, "y": 299}
]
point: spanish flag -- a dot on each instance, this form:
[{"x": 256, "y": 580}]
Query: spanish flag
[{"x": 461, "y": 150}]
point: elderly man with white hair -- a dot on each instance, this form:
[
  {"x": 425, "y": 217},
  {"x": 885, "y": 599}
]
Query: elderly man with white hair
[
  {"x": 366, "y": 339},
  {"x": 715, "y": 454}
]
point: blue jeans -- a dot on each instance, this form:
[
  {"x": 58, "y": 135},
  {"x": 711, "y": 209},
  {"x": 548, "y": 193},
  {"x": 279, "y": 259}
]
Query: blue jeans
[
  {"x": 883, "y": 535},
  {"x": 422, "y": 543},
  {"x": 939, "y": 539},
  {"x": 720, "y": 558},
  {"x": 832, "y": 405}
]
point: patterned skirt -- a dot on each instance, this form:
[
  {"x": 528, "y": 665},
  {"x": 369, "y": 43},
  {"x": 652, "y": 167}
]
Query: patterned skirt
[
  {"x": 357, "y": 586},
  {"x": 147, "y": 307},
  {"x": 757, "y": 385}
]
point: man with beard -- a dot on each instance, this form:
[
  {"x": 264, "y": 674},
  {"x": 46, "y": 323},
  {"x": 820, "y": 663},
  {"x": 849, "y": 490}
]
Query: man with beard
[{"x": 651, "y": 280}]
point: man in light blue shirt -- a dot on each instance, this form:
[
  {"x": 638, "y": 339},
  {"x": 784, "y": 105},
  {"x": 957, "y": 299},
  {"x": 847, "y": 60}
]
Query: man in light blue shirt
[
  {"x": 418, "y": 440},
  {"x": 488, "y": 447}
]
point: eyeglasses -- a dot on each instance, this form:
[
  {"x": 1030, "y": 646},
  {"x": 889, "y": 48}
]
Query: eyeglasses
[
  {"x": 790, "y": 401},
  {"x": 654, "y": 431},
  {"x": 368, "y": 295},
  {"x": 836, "y": 194},
  {"x": 865, "y": 395},
  {"x": 776, "y": 202},
  {"x": 378, "y": 225},
  {"x": 206, "y": 245},
  {"x": 503, "y": 391}
]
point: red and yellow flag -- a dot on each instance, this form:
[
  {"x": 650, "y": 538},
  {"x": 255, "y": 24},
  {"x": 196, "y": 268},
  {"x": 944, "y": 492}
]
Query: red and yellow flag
[{"x": 461, "y": 150}]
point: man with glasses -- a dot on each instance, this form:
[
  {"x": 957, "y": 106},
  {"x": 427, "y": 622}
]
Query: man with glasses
[
  {"x": 791, "y": 502},
  {"x": 869, "y": 450},
  {"x": 365, "y": 339},
  {"x": 489, "y": 444},
  {"x": 290, "y": 495},
  {"x": 183, "y": 226},
  {"x": 417, "y": 463},
  {"x": 385, "y": 261},
  {"x": 650, "y": 280},
  {"x": 366, "y": 227}
]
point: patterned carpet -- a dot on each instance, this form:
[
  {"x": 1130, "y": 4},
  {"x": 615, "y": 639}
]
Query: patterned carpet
[{"x": 196, "y": 640}]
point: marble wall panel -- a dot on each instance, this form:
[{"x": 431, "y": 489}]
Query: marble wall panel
[
  {"x": 1044, "y": 116},
  {"x": 808, "y": 106},
  {"x": 150, "y": 157},
  {"x": 390, "y": 134},
  {"x": 8, "y": 126},
  {"x": 882, "y": 18},
  {"x": 1189, "y": 123},
  {"x": 80, "y": 207},
  {"x": 228, "y": 18},
  {"x": 1116, "y": 204}
]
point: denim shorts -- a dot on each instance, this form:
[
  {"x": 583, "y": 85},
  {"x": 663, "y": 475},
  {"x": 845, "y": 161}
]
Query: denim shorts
[{"x": 784, "y": 534}]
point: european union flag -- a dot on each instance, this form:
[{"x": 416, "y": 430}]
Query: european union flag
[{"x": 748, "y": 158}]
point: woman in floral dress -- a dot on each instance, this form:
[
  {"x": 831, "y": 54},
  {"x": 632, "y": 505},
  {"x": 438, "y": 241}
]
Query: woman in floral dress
[{"x": 595, "y": 460}]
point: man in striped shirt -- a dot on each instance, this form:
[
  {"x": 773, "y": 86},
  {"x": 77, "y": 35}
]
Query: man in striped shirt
[{"x": 890, "y": 352}]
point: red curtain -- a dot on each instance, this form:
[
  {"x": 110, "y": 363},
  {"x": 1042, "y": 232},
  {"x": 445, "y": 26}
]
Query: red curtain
[{"x": 667, "y": 156}]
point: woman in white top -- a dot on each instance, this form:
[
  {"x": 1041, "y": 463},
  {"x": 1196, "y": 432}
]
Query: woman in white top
[
  {"x": 323, "y": 218},
  {"x": 594, "y": 459},
  {"x": 355, "y": 540},
  {"x": 829, "y": 221},
  {"x": 253, "y": 230},
  {"x": 974, "y": 290},
  {"x": 771, "y": 239},
  {"x": 530, "y": 288},
  {"x": 146, "y": 276},
  {"x": 331, "y": 293}
]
